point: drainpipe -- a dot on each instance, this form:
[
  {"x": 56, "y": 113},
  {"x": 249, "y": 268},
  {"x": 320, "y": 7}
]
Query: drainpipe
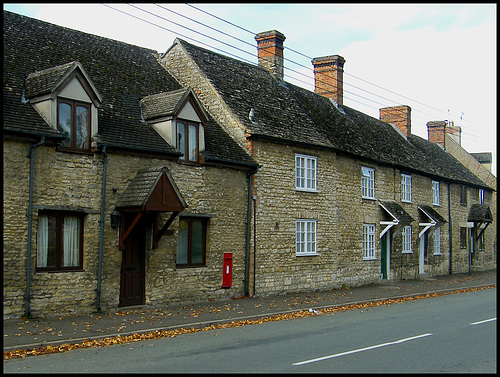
[
  {"x": 30, "y": 223},
  {"x": 449, "y": 229},
  {"x": 254, "y": 240},
  {"x": 101, "y": 234},
  {"x": 247, "y": 241}
]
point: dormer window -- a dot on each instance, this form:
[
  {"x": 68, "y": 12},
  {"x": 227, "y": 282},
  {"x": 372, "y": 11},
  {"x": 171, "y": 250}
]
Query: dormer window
[
  {"x": 180, "y": 119},
  {"x": 73, "y": 122},
  {"x": 67, "y": 100},
  {"x": 187, "y": 140}
]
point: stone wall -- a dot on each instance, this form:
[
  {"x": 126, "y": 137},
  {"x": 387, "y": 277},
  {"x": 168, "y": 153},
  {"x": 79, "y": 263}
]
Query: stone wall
[
  {"x": 337, "y": 206},
  {"x": 74, "y": 181}
]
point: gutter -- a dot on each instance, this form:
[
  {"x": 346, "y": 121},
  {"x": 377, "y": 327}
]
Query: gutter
[
  {"x": 30, "y": 223},
  {"x": 101, "y": 233}
]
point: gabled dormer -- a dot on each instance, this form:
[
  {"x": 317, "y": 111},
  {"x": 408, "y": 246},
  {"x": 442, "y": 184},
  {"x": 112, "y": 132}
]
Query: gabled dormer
[
  {"x": 67, "y": 100},
  {"x": 180, "y": 119}
]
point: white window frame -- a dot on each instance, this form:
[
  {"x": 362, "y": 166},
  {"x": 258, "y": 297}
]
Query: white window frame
[
  {"x": 481, "y": 196},
  {"x": 436, "y": 241},
  {"x": 436, "y": 193},
  {"x": 367, "y": 183},
  {"x": 369, "y": 242},
  {"x": 305, "y": 172},
  {"x": 406, "y": 239},
  {"x": 305, "y": 237},
  {"x": 406, "y": 188}
]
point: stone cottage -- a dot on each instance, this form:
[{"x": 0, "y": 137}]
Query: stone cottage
[
  {"x": 133, "y": 178},
  {"x": 340, "y": 197},
  {"x": 120, "y": 189}
]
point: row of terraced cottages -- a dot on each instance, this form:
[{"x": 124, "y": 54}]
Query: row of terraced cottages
[{"x": 133, "y": 178}]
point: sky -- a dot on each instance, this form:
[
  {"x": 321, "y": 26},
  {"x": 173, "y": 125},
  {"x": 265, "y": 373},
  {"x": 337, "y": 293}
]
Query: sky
[{"x": 439, "y": 59}]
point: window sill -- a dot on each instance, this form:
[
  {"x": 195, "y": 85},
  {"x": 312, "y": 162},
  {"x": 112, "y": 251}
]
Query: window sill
[
  {"x": 305, "y": 190},
  {"x": 407, "y": 252},
  {"x": 51, "y": 270},
  {"x": 306, "y": 254},
  {"x": 75, "y": 151},
  {"x": 368, "y": 198},
  {"x": 180, "y": 267},
  {"x": 370, "y": 258}
]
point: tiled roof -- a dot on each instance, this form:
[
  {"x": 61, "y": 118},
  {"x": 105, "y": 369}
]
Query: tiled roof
[
  {"x": 142, "y": 185},
  {"x": 397, "y": 212},
  {"x": 432, "y": 213},
  {"x": 163, "y": 104},
  {"x": 291, "y": 114},
  {"x": 45, "y": 81},
  {"x": 123, "y": 74},
  {"x": 480, "y": 213}
]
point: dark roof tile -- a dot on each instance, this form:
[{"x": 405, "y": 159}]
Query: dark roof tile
[
  {"x": 295, "y": 115},
  {"x": 123, "y": 74}
]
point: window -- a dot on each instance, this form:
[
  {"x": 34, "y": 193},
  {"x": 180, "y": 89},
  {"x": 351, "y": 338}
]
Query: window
[
  {"x": 74, "y": 123},
  {"x": 59, "y": 241},
  {"x": 187, "y": 140},
  {"x": 435, "y": 193},
  {"x": 463, "y": 195},
  {"x": 191, "y": 242},
  {"x": 368, "y": 241},
  {"x": 367, "y": 183},
  {"x": 463, "y": 238},
  {"x": 436, "y": 241},
  {"x": 406, "y": 235},
  {"x": 305, "y": 172},
  {"x": 481, "y": 196},
  {"x": 305, "y": 237},
  {"x": 405, "y": 188}
]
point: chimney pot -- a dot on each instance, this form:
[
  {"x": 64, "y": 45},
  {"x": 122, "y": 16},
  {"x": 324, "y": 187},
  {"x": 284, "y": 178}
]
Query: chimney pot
[
  {"x": 270, "y": 52},
  {"x": 329, "y": 77}
]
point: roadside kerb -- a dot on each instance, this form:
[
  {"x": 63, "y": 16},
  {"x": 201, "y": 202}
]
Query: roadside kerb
[{"x": 216, "y": 323}]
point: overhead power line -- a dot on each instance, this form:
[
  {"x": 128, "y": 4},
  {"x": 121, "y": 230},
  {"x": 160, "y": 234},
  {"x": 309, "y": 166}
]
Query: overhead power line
[{"x": 252, "y": 54}]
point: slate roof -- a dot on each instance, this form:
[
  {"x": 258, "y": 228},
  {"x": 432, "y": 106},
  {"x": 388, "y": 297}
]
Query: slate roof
[
  {"x": 142, "y": 185},
  {"x": 480, "y": 213},
  {"x": 163, "y": 104},
  {"x": 432, "y": 213},
  {"x": 123, "y": 74},
  {"x": 288, "y": 113},
  {"x": 396, "y": 211}
]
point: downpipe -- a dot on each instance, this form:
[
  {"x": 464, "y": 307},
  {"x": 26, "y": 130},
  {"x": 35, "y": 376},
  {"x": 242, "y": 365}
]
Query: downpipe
[{"x": 30, "y": 224}]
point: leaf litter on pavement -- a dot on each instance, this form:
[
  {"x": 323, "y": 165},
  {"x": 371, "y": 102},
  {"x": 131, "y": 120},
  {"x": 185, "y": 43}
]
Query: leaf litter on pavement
[{"x": 160, "y": 334}]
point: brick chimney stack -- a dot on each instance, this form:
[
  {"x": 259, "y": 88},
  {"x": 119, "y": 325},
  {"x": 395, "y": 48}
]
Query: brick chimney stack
[
  {"x": 437, "y": 129},
  {"x": 400, "y": 116},
  {"x": 270, "y": 52},
  {"x": 329, "y": 77}
]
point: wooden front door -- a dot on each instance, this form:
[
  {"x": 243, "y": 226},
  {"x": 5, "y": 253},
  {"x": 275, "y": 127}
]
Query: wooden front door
[{"x": 132, "y": 277}]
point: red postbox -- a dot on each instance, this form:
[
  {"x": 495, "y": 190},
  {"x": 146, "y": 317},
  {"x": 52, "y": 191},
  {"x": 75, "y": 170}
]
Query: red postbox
[{"x": 227, "y": 273}]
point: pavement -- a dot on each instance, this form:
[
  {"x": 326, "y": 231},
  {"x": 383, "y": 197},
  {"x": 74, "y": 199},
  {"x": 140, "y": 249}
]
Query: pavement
[{"x": 23, "y": 334}]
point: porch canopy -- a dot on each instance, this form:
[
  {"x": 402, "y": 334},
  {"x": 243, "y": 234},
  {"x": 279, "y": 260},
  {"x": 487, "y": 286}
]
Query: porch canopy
[
  {"x": 480, "y": 215},
  {"x": 151, "y": 190},
  {"x": 397, "y": 215},
  {"x": 432, "y": 218}
]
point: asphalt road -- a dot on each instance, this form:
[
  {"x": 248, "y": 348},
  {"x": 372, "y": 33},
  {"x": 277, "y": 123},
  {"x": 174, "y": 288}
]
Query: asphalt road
[{"x": 447, "y": 334}]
